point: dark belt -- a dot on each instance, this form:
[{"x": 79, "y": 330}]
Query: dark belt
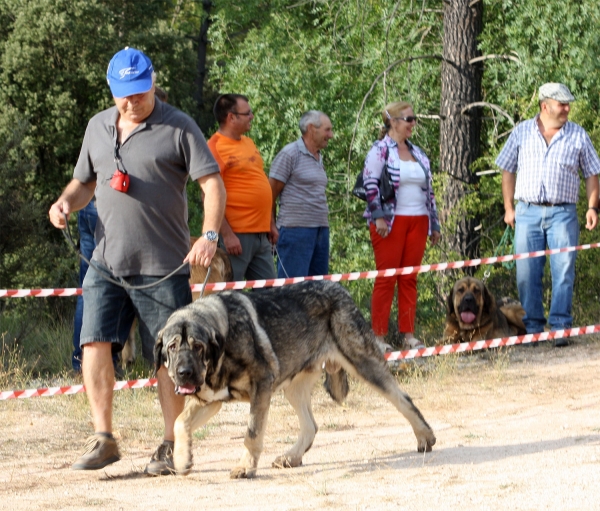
[{"x": 548, "y": 204}]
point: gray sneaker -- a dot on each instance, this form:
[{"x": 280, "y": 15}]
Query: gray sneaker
[
  {"x": 100, "y": 450},
  {"x": 161, "y": 463}
]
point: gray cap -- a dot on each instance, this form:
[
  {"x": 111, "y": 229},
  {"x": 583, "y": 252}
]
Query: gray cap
[{"x": 556, "y": 91}]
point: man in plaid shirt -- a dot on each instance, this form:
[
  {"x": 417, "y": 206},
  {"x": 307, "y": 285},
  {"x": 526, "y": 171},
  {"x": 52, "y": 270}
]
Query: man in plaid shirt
[{"x": 541, "y": 162}]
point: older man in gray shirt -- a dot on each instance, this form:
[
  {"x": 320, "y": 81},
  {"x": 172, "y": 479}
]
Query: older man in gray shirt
[{"x": 298, "y": 179}]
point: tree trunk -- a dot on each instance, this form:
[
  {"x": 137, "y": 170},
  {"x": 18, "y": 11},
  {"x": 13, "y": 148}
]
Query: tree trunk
[
  {"x": 205, "y": 114},
  {"x": 460, "y": 133}
]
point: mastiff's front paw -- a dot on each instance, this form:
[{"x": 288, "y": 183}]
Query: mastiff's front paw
[{"x": 182, "y": 458}]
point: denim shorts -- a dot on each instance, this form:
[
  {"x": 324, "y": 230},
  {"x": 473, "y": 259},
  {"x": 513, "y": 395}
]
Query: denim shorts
[{"x": 110, "y": 309}]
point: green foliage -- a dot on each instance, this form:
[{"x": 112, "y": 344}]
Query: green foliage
[
  {"x": 346, "y": 58},
  {"x": 26, "y": 260},
  {"x": 331, "y": 56},
  {"x": 555, "y": 41},
  {"x": 53, "y": 58},
  {"x": 54, "y": 62}
]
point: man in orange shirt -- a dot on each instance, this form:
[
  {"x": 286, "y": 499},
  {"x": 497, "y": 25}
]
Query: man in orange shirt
[{"x": 248, "y": 230}]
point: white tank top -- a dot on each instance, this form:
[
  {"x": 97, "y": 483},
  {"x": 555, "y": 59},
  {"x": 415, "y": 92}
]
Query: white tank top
[{"x": 410, "y": 198}]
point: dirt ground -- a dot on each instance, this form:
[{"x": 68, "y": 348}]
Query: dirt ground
[{"x": 517, "y": 428}]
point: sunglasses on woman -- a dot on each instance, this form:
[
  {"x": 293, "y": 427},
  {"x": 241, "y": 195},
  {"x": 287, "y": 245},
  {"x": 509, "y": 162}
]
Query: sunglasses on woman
[{"x": 410, "y": 118}]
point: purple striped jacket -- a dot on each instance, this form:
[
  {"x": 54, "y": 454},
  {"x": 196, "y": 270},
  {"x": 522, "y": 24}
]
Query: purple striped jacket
[{"x": 374, "y": 163}]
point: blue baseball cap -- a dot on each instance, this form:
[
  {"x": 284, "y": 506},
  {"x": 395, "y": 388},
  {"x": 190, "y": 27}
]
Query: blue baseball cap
[{"x": 129, "y": 72}]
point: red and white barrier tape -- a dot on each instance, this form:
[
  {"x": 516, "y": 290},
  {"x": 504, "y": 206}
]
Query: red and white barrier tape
[
  {"x": 492, "y": 343},
  {"x": 41, "y": 293},
  {"x": 390, "y": 357},
  {"x": 220, "y": 286},
  {"x": 74, "y": 389}
]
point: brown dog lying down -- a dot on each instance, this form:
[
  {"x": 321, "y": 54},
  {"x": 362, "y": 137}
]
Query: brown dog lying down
[
  {"x": 474, "y": 315},
  {"x": 220, "y": 271}
]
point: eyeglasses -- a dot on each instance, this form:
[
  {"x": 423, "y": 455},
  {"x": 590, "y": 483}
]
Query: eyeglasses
[
  {"x": 248, "y": 113},
  {"x": 410, "y": 118}
]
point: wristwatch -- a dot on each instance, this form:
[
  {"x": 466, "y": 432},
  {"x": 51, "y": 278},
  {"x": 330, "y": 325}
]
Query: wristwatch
[{"x": 211, "y": 236}]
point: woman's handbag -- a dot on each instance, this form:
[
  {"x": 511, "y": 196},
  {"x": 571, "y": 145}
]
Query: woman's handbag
[{"x": 386, "y": 186}]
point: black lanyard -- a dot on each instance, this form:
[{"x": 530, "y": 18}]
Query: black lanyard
[{"x": 117, "y": 158}]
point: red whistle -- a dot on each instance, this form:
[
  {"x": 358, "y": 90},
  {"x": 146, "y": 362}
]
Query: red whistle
[{"x": 120, "y": 181}]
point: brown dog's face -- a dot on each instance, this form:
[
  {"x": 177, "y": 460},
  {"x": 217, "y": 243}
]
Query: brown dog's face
[
  {"x": 188, "y": 350},
  {"x": 470, "y": 303}
]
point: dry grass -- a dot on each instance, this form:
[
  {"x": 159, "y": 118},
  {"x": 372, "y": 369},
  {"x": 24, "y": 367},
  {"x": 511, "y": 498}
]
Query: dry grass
[{"x": 12, "y": 369}]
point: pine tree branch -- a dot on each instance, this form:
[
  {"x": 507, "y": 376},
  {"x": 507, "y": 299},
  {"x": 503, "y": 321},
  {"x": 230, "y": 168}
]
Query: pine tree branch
[
  {"x": 486, "y": 57},
  {"x": 490, "y": 105},
  {"x": 430, "y": 116}
]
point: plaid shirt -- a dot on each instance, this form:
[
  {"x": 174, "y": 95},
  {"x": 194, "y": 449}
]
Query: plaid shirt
[{"x": 548, "y": 173}]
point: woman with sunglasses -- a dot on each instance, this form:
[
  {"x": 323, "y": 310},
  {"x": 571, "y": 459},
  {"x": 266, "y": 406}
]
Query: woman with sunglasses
[{"x": 400, "y": 225}]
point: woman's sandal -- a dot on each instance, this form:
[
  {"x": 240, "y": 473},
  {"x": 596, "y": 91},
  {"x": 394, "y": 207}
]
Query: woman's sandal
[{"x": 414, "y": 344}]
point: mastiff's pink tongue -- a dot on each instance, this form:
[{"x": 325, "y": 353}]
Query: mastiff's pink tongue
[
  {"x": 186, "y": 389},
  {"x": 467, "y": 317}
]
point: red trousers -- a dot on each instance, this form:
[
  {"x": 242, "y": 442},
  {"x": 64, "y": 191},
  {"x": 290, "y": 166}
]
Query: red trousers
[{"x": 403, "y": 246}]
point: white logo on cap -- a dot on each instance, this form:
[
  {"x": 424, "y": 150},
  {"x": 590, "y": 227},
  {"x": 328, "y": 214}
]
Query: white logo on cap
[{"x": 128, "y": 71}]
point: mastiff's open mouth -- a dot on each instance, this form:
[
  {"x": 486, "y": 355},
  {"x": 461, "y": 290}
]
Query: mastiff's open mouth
[{"x": 186, "y": 389}]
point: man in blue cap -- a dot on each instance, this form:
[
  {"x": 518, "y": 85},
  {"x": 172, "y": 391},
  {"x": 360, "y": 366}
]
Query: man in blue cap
[
  {"x": 136, "y": 158},
  {"x": 541, "y": 162}
]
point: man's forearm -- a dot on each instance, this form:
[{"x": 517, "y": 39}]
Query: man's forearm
[
  {"x": 592, "y": 188},
  {"x": 74, "y": 197},
  {"x": 77, "y": 194},
  {"x": 276, "y": 188},
  {"x": 226, "y": 229},
  {"x": 509, "y": 180},
  {"x": 214, "y": 196}
]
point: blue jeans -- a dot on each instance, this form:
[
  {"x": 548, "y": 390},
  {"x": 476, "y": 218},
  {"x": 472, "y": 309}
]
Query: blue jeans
[
  {"x": 110, "y": 309},
  {"x": 86, "y": 222},
  {"x": 302, "y": 251},
  {"x": 538, "y": 227}
]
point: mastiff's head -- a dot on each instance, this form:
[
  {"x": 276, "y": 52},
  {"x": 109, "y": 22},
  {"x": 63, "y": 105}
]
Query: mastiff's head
[
  {"x": 470, "y": 303},
  {"x": 190, "y": 346}
]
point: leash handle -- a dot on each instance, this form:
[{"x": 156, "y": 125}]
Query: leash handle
[{"x": 508, "y": 239}]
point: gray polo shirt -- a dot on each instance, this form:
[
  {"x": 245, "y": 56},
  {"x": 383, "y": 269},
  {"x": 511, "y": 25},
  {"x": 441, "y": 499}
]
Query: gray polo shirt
[
  {"x": 302, "y": 202},
  {"x": 144, "y": 231}
]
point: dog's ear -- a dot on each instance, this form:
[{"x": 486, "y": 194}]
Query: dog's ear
[
  {"x": 158, "y": 352},
  {"x": 489, "y": 302},
  {"x": 216, "y": 345}
]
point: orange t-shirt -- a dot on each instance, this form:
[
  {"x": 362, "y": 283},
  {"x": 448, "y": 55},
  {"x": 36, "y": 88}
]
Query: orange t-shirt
[{"x": 249, "y": 196}]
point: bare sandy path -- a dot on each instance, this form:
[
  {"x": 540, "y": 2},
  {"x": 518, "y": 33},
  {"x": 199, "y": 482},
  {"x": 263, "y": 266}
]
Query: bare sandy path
[{"x": 516, "y": 429}]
